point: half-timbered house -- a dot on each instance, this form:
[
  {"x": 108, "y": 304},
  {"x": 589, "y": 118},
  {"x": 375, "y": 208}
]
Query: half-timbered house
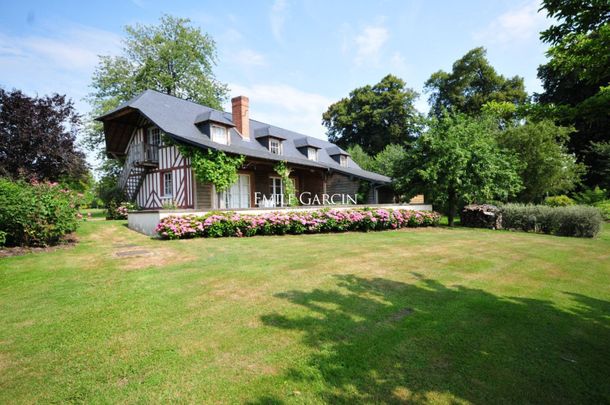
[{"x": 156, "y": 175}]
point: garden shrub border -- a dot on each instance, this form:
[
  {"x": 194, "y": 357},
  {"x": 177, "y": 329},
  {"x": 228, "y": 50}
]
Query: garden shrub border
[
  {"x": 226, "y": 224},
  {"x": 576, "y": 220}
]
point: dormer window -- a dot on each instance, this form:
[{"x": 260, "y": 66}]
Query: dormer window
[
  {"x": 343, "y": 160},
  {"x": 275, "y": 146},
  {"x": 312, "y": 154},
  {"x": 220, "y": 134}
]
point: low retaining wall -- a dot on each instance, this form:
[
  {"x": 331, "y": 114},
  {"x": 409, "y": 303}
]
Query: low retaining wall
[{"x": 146, "y": 221}]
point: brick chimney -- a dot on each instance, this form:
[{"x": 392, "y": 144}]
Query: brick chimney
[{"x": 241, "y": 115}]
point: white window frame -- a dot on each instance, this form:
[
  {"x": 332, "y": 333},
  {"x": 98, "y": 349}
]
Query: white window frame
[
  {"x": 224, "y": 197},
  {"x": 275, "y": 146},
  {"x": 312, "y": 154},
  {"x": 343, "y": 160},
  {"x": 224, "y": 140},
  {"x": 164, "y": 193},
  {"x": 275, "y": 183},
  {"x": 154, "y": 132}
]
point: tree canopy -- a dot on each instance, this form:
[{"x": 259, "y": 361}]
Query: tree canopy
[
  {"x": 172, "y": 57},
  {"x": 459, "y": 160},
  {"x": 472, "y": 83},
  {"x": 38, "y": 138},
  {"x": 385, "y": 162},
  {"x": 374, "y": 116},
  {"x": 576, "y": 79},
  {"x": 547, "y": 167}
]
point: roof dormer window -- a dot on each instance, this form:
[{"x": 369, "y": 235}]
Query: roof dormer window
[
  {"x": 343, "y": 160},
  {"x": 312, "y": 154},
  {"x": 220, "y": 134},
  {"x": 275, "y": 146}
]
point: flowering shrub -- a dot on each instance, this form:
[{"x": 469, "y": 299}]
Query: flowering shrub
[
  {"x": 36, "y": 214},
  {"x": 279, "y": 223},
  {"x": 120, "y": 211}
]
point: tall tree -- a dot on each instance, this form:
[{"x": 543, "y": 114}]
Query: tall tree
[
  {"x": 172, "y": 57},
  {"x": 576, "y": 79},
  {"x": 547, "y": 167},
  {"x": 385, "y": 162},
  {"x": 374, "y": 116},
  {"x": 458, "y": 160},
  {"x": 38, "y": 138},
  {"x": 472, "y": 83}
]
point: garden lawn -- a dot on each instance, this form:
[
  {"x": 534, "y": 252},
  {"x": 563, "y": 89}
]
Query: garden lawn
[{"x": 418, "y": 315}]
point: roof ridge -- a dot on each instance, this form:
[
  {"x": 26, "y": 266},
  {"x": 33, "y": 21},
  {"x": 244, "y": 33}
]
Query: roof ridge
[{"x": 225, "y": 112}]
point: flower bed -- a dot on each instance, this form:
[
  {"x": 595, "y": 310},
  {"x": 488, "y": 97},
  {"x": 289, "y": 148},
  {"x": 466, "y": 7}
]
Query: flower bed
[{"x": 279, "y": 223}]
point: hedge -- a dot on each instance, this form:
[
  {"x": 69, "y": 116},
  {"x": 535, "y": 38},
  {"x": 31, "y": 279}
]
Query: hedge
[
  {"x": 577, "y": 220},
  {"x": 222, "y": 224},
  {"x": 36, "y": 214}
]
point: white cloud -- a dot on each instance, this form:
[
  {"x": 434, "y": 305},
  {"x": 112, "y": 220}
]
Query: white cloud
[
  {"x": 518, "y": 24},
  {"x": 278, "y": 18},
  {"x": 61, "y": 60},
  {"x": 369, "y": 43},
  {"x": 74, "y": 49},
  {"x": 285, "y": 106},
  {"x": 248, "y": 57}
]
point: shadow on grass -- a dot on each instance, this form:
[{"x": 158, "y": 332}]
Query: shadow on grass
[{"x": 378, "y": 340}]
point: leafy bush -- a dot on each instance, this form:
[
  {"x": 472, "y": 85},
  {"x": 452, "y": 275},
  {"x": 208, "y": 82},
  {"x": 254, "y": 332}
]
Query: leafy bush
[
  {"x": 2, "y": 238},
  {"x": 604, "y": 209},
  {"x": 219, "y": 224},
  {"x": 119, "y": 211},
  {"x": 577, "y": 220},
  {"x": 559, "y": 201},
  {"x": 36, "y": 214},
  {"x": 591, "y": 196}
]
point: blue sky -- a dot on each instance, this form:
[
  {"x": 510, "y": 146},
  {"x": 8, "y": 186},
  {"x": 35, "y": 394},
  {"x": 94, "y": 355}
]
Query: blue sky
[{"x": 292, "y": 58}]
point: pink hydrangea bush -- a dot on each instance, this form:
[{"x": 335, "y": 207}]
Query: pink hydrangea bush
[{"x": 221, "y": 224}]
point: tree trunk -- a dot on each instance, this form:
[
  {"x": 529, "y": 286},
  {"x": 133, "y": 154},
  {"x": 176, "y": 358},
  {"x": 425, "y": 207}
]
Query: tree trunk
[{"x": 451, "y": 206}]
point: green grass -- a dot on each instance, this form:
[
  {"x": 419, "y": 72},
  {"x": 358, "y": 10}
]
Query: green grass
[
  {"x": 96, "y": 213},
  {"x": 419, "y": 315}
]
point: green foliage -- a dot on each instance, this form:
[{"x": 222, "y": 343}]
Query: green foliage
[
  {"x": 591, "y": 196},
  {"x": 604, "y": 209},
  {"x": 362, "y": 159},
  {"x": 574, "y": 17},
  {"x": 290, "y": 191},
  {"x": 2, "y": 238},
  {"x": 225, "y": 224},
  {"x": 213, "y": 166},
  {"x": 459, "y": 160},
  {"x": 386, "y": 162},
  {"x": 547, "y": 167},
  {"x": 576, "y": 76},
  {"x": 107, "y": 188},
  {"x": 169, "y": 205},
  {"x": 559, "y": 201},
  {"x": 578, "y": 220},
  {"x": 117, "y": 210},
  {"x": 172, "y": 57},
  {"x": 374, "y": 116},
  {"x": 36, "y": 214},
  {"x": 472, "y": 83},
  {"x": 599, "y": 159}
]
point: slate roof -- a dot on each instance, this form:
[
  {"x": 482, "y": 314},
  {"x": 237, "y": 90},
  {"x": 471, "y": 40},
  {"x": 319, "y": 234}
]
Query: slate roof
[
  {"x": 214, "y": 116},
  {"x": 178, "y": 118}
]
